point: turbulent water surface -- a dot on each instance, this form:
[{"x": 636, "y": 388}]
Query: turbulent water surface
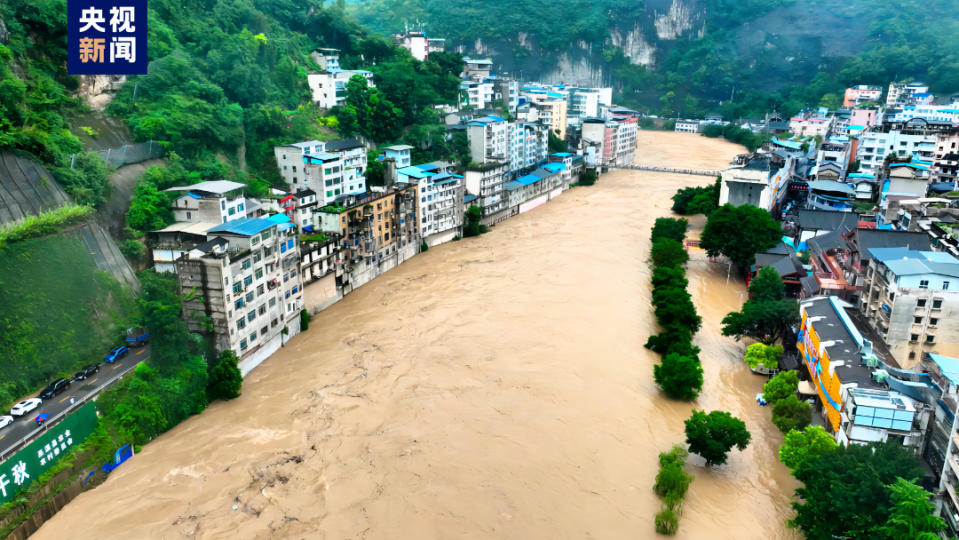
[{"x": 490, "y": 388}]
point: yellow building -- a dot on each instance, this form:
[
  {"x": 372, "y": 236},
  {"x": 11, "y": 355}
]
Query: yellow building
[
  {"x": 833, "y": 352},
  {"x": 552, "y": 113}
]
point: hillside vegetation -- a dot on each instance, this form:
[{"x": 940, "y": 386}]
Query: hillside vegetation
[{"x": 741, "y": 58}]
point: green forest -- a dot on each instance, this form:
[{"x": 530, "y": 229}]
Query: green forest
[{"x": 749, "y": 60}]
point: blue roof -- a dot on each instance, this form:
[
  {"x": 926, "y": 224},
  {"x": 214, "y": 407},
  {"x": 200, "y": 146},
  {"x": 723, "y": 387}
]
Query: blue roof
[
  {"x": 527, "y": 180},
  {"x": 426, "y": 167},
  {"x": 511, "y": 185},
  {"x": 555, "y": 167},
  {"x": 244, "y": 226},
  {"x": 415, "y": 172},
  {"x": 561, "y": 154},
  {"x": 469, "y": 197},
  {"x": 788, "y": 144},
  {"x": 860, "y": 175},
  {"x": 283, "y": 221},
  {"x": 855, "y": 126},
  {"x": 319, "y": 157},
  {"x": 910, "y": 165},
  {"x": 948, "y": 366},
  {"x": 194, "y": 195},
  {"x": 903, "y": 261}
]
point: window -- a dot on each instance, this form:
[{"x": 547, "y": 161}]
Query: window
[
  {"x": 241, "y": 324},
  {"x": 289, "y": 243},
  {"x": 936, "y": 304},
  {"x": 266, "y": 234},
  {"x": 237, "y": 287},
  {"x": 259, "y": 273},
  {"x": 252, "y": 337},
  {"x": 263, "y": 331},
  {"x": 251, "y": 315},
  {"x": 231, "y": 211},
  {"x": 329, "y": 193},
  {"x": 246, "y": 264},
  {"x": 924, "y": 284},
  {"x": 917, "y": 320},
  {"x": 272, "y": 302},
  {"x": 247, "y": 281},
  {"x": 223, "y": 203},
  {"x": 282, "y": 248},
  {"x": 930, "y": 339},
  {"x": 259, "y": 290},
  {"x": 295, "y": 289},
  {"x": 188, "y": 214},
  {"x": 262, "y": 310},
  {"x": 914, "y": 337},
  {"x": 249, "y": 296},
  {"x": 945, "y": 285},
  {"x": 912, "y": 356},
  {"x": 256, "y": 257},
  {"x": 921, "y": 302},
  {"x": 239, "y": 207},
  {"x": 933, "y": 321},
  {"x": 287, "y": 295},
  {"x": 238, "y": 304},
  {"x": 242, "y": 344},
  {"x": 255, "y": 240}
]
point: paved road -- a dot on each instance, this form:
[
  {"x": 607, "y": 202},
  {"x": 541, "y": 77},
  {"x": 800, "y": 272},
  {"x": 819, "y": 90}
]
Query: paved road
[{"x": 12, "y": 436}]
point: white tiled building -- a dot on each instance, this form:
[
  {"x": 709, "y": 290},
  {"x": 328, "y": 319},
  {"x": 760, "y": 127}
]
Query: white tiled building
[
  {"x": 213, "y": 201},
  {"x": 244, "y": 284},
  {"x": 874, "y": 146}
]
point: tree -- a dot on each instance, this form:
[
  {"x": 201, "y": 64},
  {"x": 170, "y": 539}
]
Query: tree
[
  {"x": 844, "y": 492},
  {"x": 766, "y": 356},
  {"x": 225, "y": 378},
  {"x": 473, "y": 227},
  {"x": 672, "y": 480},
  {"x": 913, "y": 516},
  {"x": 791, "y": 414},
  {"x": 713, "y": 435},
  {"x": 767, "y": 285},
  {"x": 668, "y": 252},
  {"x": 149, "y": 208},
  {"x": 588, "y": 177},
  {"x": 781, "y": 386},
  {"x": 674, "y": 307},
  {"x": 801, "y": 446},
  {"x": 460, "y": 148},
  {"x": 697, "y": 200},
  {"x": 666, "y": 522},
  {"x": 680, "y": 377},
  {"x": 669, "y": 276},
  {"x": 739, "y": 232},
  {"x": 669, "y": 228},
  {"x": 556, "y": 144},
  {"x": 765, "y": 321}
]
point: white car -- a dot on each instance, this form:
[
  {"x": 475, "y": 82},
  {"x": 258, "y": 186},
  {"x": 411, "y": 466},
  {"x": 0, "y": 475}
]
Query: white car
[
  {"x": 5, "y": 421},
  {"x": 25, "y": 406}
]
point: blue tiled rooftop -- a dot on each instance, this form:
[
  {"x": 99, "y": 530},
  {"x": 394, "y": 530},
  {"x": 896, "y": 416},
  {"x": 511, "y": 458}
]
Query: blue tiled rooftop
[{"x": 244, "y": 226}]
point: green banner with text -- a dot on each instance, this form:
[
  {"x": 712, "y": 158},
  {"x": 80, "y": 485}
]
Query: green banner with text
[{"x": 36, "y": 458}]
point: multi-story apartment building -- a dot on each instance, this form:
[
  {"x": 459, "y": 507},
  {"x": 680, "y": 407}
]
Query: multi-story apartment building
[
  {"x": 874, "y": 146},
  {"x": 857, "y": 94},
  {"x": 585, "y": 102},
  {"x": 328, "y": 86},
  {"x": 905, "y": 94},
  {"x": 415, "y": 42},
  {"x": 477, "y": 94},
  {"x": 213, "y": 201},
  {"x": 242, "y": 286},
  {"x": 439, "y": 199},
  {"x": 534, "y": 189},
  {"x": 945, "y": 167},
  {"x": 476, "y": 69},
  {"x": 400, "y": 154},
  {"x": 600, "y": 135},
  {"x": 488, "y": 138},
  {"x": 330, "y": 178},
  {"x": 528, "y": 144},
  {"x": 305, "y": 207},
  {"x": 863, "y": 119},
  {"x": 626, "y": 127},
  {"x": 508, "y": 91},
  {"x": 912, "y": 299},
  {"x": 687, "y": 126},
  {"x": 757, "y": 179},
  {"x": 552, "y": 112},
  {"x": 810, "y": 125},
  {"x": 353, "y": 152},
  {"x": 486, "y": 182}
]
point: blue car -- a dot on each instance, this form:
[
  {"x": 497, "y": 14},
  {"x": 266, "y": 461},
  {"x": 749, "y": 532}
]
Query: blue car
[{"x": 116, "y": 353}]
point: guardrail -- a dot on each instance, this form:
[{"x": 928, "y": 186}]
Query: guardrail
[
  {"x": 696, "y": 172},
  {"x": 52, "y": 421}
]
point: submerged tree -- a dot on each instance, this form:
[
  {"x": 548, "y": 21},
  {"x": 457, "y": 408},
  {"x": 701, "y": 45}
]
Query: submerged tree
[{"x": 713, "y": 435}]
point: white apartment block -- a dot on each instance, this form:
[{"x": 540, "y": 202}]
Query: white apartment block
[
  {"x": 874, "y": 146},
  {"x": 932, "y": 113},
  {"x": 328, "y": 87},
  {"x": 904, "y": 94},
  {"x": 528, "y": 144},
  {"x": 488, "y": 138},
  {"x": 327, "y": 175},
  {"x": 243, "y": 286},
  {"x": 687, "y": 126},
  {"x": 400, "y": 154},
  {"x": 625, "y": 140},
  {"x": 307, "y": 165},
  {"x": 439, "y": 200},
  {"x": 415, "y": 42},
  {"x": 478, "y": 95},
  {"x": 810, "y": 126},
  {"x": 213, "y": 201},
  {"x": 486, "y": 182}
]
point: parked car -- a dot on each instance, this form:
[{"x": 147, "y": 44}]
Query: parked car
[
  {"x": 54, "y": 388},
  {"x": 86, "y": 372},
  {"x": 5, "y": 421},
  {"x": 116, "y": 353},
  {"x": 25, "y": 406}
]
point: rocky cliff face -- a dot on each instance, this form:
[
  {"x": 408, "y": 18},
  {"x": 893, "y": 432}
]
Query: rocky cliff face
[
  {"x": 642, "y": 42},
  {"x": 98, "y": 90}
]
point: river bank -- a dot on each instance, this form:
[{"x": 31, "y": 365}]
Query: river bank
[{"x": 493, "y": 387}]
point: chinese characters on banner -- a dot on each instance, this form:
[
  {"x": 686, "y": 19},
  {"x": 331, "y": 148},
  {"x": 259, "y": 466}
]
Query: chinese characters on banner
[{"x": 107, "y": 37}]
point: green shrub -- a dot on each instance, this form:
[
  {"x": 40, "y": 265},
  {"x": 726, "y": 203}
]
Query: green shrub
[
  {"x": 304, "y": 320},
  {"x": 767, "y": 356},
  {"x": 680, "y": 377},
  {"x": 225, "y": 378},
  {"x": 669, "y": 228},
  {"x": 667, "y": 522},
  {"x": 132, "y": 249},
  {"x": 587, "y": 177},
  {"x": 424, "y": 246},
  {"x": 790, "y": 413},
  {"x": 44, "y": 224}
]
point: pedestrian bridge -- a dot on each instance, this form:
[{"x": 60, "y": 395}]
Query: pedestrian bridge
[{"x": 696, "y": 172}]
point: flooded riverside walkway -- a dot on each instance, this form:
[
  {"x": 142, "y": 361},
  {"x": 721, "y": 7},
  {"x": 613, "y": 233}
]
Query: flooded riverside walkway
[{"x": 495, "y": 387}]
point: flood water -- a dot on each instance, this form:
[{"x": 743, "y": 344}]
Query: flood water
[{"x": 489, "y": 388}]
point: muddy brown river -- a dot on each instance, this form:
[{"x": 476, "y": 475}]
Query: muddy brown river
[{"x": 489, "y": 388}]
